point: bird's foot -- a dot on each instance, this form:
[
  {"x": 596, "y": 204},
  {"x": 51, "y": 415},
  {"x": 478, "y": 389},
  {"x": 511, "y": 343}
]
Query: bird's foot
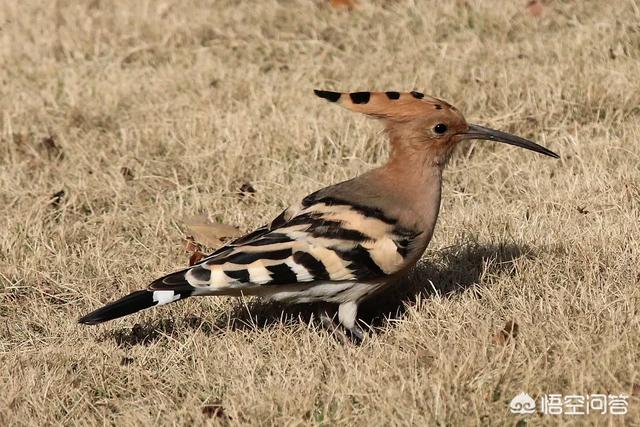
[
  {"x": 345, "y": 335},
  {"x": 355, "y": 335}
]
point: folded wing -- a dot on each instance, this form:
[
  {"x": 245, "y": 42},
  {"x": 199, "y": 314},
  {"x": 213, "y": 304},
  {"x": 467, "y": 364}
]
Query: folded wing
[{"x": 324, "y": 239}]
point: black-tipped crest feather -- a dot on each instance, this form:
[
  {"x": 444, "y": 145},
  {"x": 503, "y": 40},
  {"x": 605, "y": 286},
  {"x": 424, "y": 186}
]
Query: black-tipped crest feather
[
  {"x": 360, "y": 97},
  {"x": 328, "y": 95}
]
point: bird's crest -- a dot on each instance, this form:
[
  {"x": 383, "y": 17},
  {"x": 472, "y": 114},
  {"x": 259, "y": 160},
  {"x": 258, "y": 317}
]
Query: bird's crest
[{"x": 389, "y": 105}]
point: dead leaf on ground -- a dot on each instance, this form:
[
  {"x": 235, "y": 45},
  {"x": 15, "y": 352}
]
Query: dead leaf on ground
[
  {"x": 535, "y": 8},
  {"x": 509, "y": 331},
  {"x": 617, "y": 51},
  {"x": 127, "y": 173},
  {"x": 194, "y": 249},
  {"x": 57, "y": 198},
  {"x": 48, "y": 145},
  {"x": 246, "y": 189},
  {"x": 209, "y": 234},
  {"x": 190, "y": 245},
  {"x": 18, "y": 138},
  {"x": 339, "y": 4},
  {"x": 214, "y": 410},
  {"x": 196, "y": 257},
  {"x": 635, "y": 389}
]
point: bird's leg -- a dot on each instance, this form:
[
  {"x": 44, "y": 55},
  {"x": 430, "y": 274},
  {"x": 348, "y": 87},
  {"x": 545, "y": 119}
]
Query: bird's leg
[
  {"x": 347, "y": 313},
  {"x": 326, "y": 315},
  {"x": 347, "y": 332}
]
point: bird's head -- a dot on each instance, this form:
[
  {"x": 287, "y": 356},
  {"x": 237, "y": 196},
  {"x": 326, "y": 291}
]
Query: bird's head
[{"x": 421, "y": 124}]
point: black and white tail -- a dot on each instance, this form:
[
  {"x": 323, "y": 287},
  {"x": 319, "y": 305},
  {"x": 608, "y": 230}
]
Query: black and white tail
[{"x": 165, "y": 290}]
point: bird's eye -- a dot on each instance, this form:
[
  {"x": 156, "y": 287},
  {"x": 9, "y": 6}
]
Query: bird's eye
[{"x": 440, "y": 128}]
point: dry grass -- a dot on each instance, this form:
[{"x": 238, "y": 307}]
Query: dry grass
[{"x": 195, "y": 98}]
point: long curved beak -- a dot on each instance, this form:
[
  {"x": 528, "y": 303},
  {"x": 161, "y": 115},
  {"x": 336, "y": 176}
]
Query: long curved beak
[{"x": 481, "y": 132}]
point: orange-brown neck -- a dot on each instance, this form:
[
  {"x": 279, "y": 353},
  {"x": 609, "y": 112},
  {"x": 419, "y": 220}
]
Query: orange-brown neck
[{"x": 413, "y": 187}]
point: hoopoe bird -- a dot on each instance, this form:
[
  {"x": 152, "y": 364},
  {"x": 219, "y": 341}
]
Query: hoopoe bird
[{"x": 344, "y": 242}]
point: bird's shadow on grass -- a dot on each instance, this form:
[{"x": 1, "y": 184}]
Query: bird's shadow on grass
[
  {"x": 449, "y": 272},
  {"x": 446, "y": 272}
]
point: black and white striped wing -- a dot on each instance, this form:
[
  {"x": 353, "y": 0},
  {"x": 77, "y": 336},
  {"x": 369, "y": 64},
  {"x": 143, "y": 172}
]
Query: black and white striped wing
[{"x": 327, "y": 240}]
